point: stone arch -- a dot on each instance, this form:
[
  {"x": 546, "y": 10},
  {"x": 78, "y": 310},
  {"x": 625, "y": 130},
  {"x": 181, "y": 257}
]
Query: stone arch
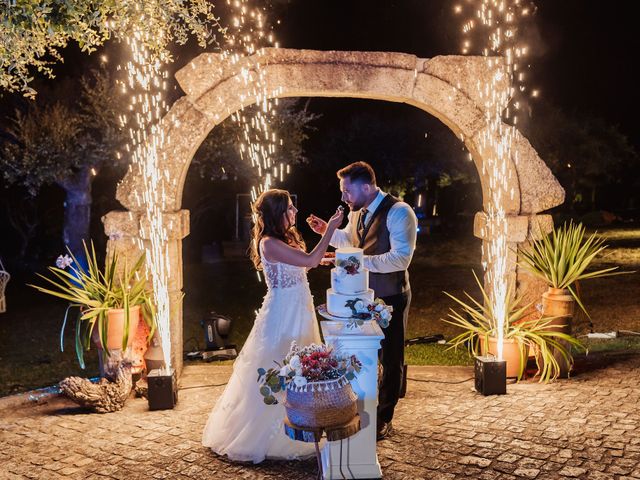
[{"x": 444, "y": 86}]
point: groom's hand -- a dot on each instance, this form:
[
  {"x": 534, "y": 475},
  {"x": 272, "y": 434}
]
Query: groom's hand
[{"x": 317, "y": 224}]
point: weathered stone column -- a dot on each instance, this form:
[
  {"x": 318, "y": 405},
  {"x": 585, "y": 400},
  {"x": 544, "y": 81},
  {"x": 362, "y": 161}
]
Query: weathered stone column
[
  {"x": 520, "y": 230},
  {"x": 125, "y": 230}
]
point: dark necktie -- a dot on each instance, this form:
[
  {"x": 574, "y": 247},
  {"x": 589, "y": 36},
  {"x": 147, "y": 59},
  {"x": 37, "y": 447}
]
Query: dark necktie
[{"x": 361, "y": 222}]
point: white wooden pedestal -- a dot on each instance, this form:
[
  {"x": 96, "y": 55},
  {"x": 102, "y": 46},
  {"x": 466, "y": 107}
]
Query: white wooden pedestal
[{"x": 358, "y": 453}]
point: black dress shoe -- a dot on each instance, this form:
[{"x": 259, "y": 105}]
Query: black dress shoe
[{"x": 384, "y": 430}]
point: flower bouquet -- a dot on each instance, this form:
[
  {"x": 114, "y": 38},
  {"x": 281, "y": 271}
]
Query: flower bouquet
[
  {"x": 350, "y": 266},
  {"x": 316, "y": 382},
  {"x": 361, "y": 312}
]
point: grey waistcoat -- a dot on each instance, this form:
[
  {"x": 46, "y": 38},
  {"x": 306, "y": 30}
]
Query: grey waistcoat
[{"x": 376, "y": 241}]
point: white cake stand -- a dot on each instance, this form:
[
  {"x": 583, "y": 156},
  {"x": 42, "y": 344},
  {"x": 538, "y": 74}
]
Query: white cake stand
[{"x": 322, "y": 310}]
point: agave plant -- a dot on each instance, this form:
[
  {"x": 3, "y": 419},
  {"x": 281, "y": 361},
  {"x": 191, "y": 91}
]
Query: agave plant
[
  {"x": 479, "y": 321},
  {"x": 562, "y": 257},
  {"x": 95, "y": 292}
]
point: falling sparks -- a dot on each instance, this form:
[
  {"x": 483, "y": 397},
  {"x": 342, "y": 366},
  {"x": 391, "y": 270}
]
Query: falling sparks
[
  {"x": 498, "y": 19},
  {"x": 247, "y": 35},
  {"x": 492, "y": 30},
  {"x": 151, "y": 26},
  {"x": 146, "y": 139}
]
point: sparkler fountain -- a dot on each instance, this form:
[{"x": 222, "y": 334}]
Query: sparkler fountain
[
  {"x": 146, "y": 84},
  {"x": 498, "y": 20}
]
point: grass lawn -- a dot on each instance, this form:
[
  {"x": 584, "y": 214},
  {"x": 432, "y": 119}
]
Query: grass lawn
[{"x": 30, "y": 354}]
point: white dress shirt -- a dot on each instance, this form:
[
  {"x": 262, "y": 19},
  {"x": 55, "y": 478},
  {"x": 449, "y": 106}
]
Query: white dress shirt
[{"x": 402, "y": 225}]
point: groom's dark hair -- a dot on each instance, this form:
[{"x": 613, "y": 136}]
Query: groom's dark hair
[{"x": 358, "y": 172}]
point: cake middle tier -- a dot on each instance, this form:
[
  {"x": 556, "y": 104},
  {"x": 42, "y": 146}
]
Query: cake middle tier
[
  {"x": 349, "y": 283},
  {"x": 337, "y": 302}
]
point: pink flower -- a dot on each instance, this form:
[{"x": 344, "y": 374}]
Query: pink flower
[{"x": 64, "y": 261}]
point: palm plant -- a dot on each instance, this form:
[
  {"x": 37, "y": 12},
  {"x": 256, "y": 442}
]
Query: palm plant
[
  {"x": 95, "y": 292},
  {"x": 479, "y": 321},
  {"x": 562, "y": 257}
]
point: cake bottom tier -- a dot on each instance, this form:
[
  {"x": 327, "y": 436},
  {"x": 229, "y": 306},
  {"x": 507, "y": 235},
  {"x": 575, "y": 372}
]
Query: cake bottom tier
[{"x": 337, "y": 302}]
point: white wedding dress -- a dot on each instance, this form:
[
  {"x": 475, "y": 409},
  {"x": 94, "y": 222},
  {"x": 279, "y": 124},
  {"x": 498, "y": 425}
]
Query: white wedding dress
[{"x": 241, "y": 426}]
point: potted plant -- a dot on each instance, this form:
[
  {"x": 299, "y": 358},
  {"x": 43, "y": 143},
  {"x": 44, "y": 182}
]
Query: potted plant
[
  {"x": 111, "y": 302},
  {"x": 317, "y": 387},
  {"x": 561, "y": 259},
  {"x": 521, "y": 333}
]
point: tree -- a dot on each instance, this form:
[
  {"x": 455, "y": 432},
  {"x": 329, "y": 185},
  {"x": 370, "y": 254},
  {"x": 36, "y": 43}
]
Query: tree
[
  {"x": 218, "y": 160},
  {"x": 409, "y": 150},
  {"x": 219, "y": 156},
  {"x": 54, "y": 143},
  {"x": 32, "y": 32},
  {"x": 21, "y": 212},
  {"x": 587, "y": 154}
]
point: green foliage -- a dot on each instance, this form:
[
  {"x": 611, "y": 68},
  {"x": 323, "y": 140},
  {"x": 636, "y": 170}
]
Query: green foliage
[
  {"x": 54, "y": 143},
  {"x": 562, "y": 257},
  {"x": 479, "y": 322},
  {"x": 32, "y": 32},
  {"x": 585, "y": 153},
  {"x": 435, "y": 354},
  {"x": 95, "y": 291}
]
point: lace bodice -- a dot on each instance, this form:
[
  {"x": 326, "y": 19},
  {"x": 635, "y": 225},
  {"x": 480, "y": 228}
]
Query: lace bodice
[{"x": 282, "y": 275}]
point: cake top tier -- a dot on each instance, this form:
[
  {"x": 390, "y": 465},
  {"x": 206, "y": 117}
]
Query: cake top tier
[{"x": 348, "y": 256}]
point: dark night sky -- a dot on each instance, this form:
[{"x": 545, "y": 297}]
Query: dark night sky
[{"x": 582, "y": 51}]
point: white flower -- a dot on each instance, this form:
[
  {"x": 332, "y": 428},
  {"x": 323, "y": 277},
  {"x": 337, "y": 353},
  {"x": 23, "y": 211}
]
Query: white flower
[
  {"x": 299, "y": 380},
  {"x": 360, "y": 306},
  {"x": 284, "y": 371},
  {"x": 385, "y": 314},
  {"x": 64, "y": 261},
  {"x": 295, "y": 363},
  {"x": 340, "y": 272},
  {"x": 379, "y": 307}
]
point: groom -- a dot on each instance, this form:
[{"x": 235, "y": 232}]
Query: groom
[{"x": 385, "y": 228}]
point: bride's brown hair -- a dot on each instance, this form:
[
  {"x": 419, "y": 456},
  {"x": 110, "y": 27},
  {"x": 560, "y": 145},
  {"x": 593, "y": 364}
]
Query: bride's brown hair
[{"x": 269, "y": 221}]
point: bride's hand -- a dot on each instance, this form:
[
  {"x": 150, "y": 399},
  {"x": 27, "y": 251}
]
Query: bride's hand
[{"x": 336, "y": 220}]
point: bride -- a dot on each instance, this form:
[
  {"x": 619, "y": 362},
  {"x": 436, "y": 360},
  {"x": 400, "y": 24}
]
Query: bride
[{"x": 241, "y": 426}]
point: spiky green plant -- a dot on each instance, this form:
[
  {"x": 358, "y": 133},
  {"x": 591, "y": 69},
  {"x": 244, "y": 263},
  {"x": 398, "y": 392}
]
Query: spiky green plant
[
  {"x": 479, "y": 322},
  {"x": 95, "y": 292},
  {"x": 562, "y": 257}
]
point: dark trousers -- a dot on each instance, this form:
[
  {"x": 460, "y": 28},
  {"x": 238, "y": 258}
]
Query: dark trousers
[{"x": 392, "y": 356}]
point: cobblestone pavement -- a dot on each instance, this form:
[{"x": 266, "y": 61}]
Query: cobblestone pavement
[{"x": 587, "y": 428}]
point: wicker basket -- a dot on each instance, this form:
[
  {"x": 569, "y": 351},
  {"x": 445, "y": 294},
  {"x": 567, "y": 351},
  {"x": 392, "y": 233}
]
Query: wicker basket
[{"x": 321, "y": 404}]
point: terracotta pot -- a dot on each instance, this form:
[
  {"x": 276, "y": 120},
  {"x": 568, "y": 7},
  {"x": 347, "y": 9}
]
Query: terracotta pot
[
  {"x": 558, "y": 302},
  {"x": 139, "y": 348},
  {"x": 510, "y": 353},
  {"x": 115, "y": 326}
]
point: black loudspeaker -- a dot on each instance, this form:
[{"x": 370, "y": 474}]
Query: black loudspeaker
[
  {"x": 491, "y": 375},
  {"x": 216, "y": 330},
  {"x": 163, "y": 389}
]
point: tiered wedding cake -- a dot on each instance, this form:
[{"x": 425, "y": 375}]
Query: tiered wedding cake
[{"x": 349, "y": 281}]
